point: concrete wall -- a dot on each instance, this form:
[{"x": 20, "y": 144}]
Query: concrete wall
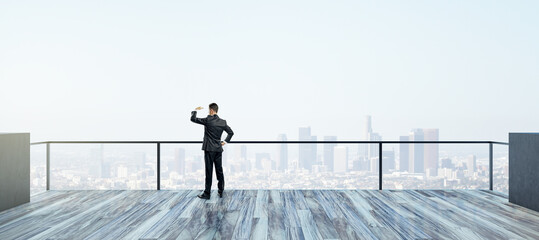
[
  {"x": 524, "y": 169},
  {"x": 14, "y": 169}
]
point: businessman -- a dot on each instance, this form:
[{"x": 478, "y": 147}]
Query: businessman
[{"x": 213, "y": 147}]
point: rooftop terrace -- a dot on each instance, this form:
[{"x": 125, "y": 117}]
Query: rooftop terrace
[{"x": 270, "y": 214}]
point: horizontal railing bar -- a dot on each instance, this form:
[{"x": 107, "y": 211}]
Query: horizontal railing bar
[{"x": 274, "y": 142}]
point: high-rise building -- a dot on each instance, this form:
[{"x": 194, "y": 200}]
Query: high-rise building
[
  {"x": 404, "y": 154},
  {"x": 374, "y": 149},
  {"x": 471, "y": 163},
  {"x": 195, "y": 164},
  {"x": 307, "y": 152},
  {"x": 178, "y": 163},
  {"x": 282, "y": 154},
  {"x": 340, "y": 159},
  {"x": 368, "y": 127},
  {"x": 374, "y": 165},
  {"x": 328, "y": 152},
  {"x": 356, "y": 164},
  {"x": 102, "y": 170},
  {"x": 446, "y": 163},
  {"x": 388, "y": 161},
  {"x": 123, "y": 171},
  {"x": 241, "y": 152},
  {"x": 417, "y": 152},
  {"x": 263, "y": 161},
  {"x": 139, "y": 158},
  {"x": 367, "y": 130},
  {"x": 431, "y": 150}
]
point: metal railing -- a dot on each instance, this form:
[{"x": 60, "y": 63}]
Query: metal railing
[{"x": 380, "y": 145}]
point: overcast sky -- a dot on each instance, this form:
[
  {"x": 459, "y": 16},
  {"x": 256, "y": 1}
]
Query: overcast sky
[{"x": 134, "y": 70}]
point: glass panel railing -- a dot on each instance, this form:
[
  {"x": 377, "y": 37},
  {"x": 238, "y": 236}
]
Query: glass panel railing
[
  {"x": 271, "y": 166},
  {"x": 435, "y": 166},
  {"x": 103, "y": 166},
  {"x": 38, "y": 171},
  {"x": 501, "y": 168}
]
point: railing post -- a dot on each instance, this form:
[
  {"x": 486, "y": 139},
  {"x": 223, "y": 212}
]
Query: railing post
[
  {"x": 48, "y": 168},
  {"x": 491, "y": 167},
  {"x": 380, "y": 166},
  {"x": 158, "y": 166}
]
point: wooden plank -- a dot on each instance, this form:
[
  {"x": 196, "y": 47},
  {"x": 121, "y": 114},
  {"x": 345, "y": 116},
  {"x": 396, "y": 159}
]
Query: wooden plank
[
  {"x": 243, "y": 227},
  {"x": 276, "y": 216},
  {"x": 323, "y": 223},
  {"x": 260, "y": 222}
]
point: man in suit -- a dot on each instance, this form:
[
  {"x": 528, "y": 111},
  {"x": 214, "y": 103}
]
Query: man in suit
[{"x": 213, "y": 147}]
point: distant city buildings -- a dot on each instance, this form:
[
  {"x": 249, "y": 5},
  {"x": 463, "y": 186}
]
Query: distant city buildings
[
  {"x": 471, "y": 163},
  {"x": 264, "y": 162},
  {"x": 431, "y": 151},
  {"x": 367, "y": 131},
  {"x": 388, "y": 161},
  {"x": 447, "y": 163},
  {"x": 374, "y": 149},
  {"x": 404, "y": 154},
  {"x": 340, "y": 158},
  {"x": 329, "y": 153},
  {"x": 307, "y": 152},
  {"x": 417, "y": 152},
  {"x": 282, "y": 153},
  {"x": 408, "y": 166},
  {"x": 178, "y": 163}
]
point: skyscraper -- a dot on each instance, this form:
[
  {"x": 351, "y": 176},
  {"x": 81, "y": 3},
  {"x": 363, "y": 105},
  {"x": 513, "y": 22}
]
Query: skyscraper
[
  {"x": 374, "y": 165},
  {"x": 263, "y": 161},
  {"x": 282, "y": 153},
  {"x": 139, "y": 159},
  {"x": 102, "y": 170},
  {"x": 374, "y": 149},
  {"x": 241, "y": 152},
  {"x": 471, "y": 163},
  {"x": 416, "y": 152},
  {"x": 340, "y": 157},
  {"x": 404, "y": 151},
  {"x": 307, "y": 152},
  {"x": 328, "y": 152},
  {"x": 446, "y": 163},
  {"x": 431, "y": 150},
  {"x": 367, "y": 130},
  {"x": 388, "y": 161},
  {"x": 178, "y": 164}
]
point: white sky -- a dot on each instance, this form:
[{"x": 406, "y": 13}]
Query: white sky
[{"x": 133, "y": 70}]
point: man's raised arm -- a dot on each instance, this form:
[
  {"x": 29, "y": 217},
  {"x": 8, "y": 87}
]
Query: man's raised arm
[{"x": 194, "y": 118}]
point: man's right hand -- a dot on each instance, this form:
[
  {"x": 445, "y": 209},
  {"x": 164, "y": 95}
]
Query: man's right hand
[{"x": 198, "y": 108}]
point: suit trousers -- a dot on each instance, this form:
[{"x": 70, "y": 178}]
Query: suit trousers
[{"x": 211, "y": 158}]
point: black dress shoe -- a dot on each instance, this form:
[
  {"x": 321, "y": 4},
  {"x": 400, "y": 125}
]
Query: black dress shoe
[
  {"x": 220, "y": 194},
  {"x": 203, "y": 196}
]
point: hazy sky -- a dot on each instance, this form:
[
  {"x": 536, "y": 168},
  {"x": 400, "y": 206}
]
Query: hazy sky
[{"x": 134, "y": 70}]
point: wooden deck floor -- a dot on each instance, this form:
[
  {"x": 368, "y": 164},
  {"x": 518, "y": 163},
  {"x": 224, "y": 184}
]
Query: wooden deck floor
[{"x": 270, "y": 214}]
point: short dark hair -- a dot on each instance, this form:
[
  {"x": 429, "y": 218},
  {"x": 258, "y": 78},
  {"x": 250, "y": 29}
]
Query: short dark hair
[{"x": 214, "y": 107}]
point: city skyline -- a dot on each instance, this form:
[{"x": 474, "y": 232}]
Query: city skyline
[{"x": 303, "y": 166}]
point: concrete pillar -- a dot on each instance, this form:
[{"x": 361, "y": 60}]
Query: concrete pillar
[
  {"x": 14, "y": 169},
  {"x": 524, "y": 169}
]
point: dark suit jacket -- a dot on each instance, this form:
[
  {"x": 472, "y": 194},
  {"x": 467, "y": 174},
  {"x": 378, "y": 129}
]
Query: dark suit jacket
[{"x": 213, "y": 129}]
